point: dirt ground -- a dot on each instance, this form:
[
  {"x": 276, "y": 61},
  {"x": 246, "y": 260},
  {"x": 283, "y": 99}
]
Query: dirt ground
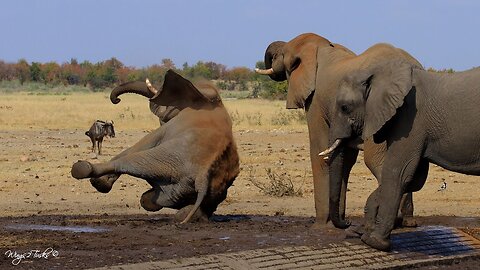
[{"x": 36, "y": 189}]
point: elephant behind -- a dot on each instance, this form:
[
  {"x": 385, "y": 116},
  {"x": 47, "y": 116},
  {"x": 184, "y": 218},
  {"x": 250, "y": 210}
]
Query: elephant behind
[
  {"x": 313, "y": 67},
  {"x": 190, "y": 161}
]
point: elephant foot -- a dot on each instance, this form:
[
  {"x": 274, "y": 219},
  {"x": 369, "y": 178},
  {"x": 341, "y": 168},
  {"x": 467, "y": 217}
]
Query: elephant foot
[
  {"x": 105, "y": 183},
  {"x": 82, "y": 169},
  {"x": 356, "y": 231},
  {"x": 409, "y": 221},
  {"x": 148, "y": 201},
  {"x": 199, "y": 215},
  {"x": 319, "y": 226},
  {"x": 376, "y": 241}
]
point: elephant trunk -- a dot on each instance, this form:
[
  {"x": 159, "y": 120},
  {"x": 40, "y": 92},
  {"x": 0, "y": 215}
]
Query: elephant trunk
[
  {"x": 274, "y": 66},
  {"x": 136, "y": 87},
  {"x": 336, "y": 182}
]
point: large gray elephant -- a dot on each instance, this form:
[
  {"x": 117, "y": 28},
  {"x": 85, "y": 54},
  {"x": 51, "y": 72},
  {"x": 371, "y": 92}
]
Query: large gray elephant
[
  {"x": 313, "y": 67},
  {"x": 190, "y": 161},
  {"x": 422, "y": 116}
]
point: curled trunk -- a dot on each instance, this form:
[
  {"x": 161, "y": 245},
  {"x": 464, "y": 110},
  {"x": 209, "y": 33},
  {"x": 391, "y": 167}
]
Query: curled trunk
[{"x": 137, "y": 87}]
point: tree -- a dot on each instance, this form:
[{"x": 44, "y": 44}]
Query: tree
[
  {"x": 22, "y": 71},
  {"x": 167, "y": 63},
  {"x": 7, "y": 71},
  {"x": 50, "y": 73},
  {"x": 35, "y": 72}
]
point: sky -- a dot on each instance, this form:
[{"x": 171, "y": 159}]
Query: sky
[{"x": 439, "y": 33}]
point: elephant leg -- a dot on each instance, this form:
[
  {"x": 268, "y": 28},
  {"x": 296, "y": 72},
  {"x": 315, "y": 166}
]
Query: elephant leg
[
  {"x": 148, "y": 200},
  {"x": 318, "y": 133},
  {"x": 152, "y": 164},
  {"x": 389, "y": 195},
  {"x": 374, "y": 156},
  {"x": 105, "y": 183}
]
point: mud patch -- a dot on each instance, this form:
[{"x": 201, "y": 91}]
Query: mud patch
[{"x": 133, "y": 239}]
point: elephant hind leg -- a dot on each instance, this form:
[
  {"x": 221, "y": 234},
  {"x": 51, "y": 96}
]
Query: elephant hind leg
[
  {"x": 149, "y": 200},
  {"x": 104, "y": 183}
]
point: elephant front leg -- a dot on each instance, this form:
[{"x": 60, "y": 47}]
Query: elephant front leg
[
  {"x": 397, "y": 174},
  {"x": 84, "y": 169},
  {"x": 149, "y": 200}
]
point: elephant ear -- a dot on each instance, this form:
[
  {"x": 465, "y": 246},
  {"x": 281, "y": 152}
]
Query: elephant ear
[
  {"x": 181, "y": 93},
  {"x": 301, "y": 82},
  {"x": 387, "y": 87}
]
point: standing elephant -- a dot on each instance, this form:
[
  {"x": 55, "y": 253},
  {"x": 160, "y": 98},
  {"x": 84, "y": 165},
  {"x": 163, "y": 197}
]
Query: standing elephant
[
  {"x": 190, "y": 161},
  {"x": 422, "y": 116},
  {"x": 313, "y": 67}
]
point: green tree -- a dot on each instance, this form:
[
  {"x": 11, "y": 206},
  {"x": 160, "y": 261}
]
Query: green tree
[{"x": 35, "y": 72}]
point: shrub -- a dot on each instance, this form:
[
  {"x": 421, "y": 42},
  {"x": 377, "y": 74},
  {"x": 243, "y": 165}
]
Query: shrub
[{"x": 279, "y": 185}]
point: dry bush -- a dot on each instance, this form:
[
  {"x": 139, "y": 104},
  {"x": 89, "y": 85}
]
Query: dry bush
[
  {"x": 285, "y": 118},
  {"x": 279, "y": 184}
]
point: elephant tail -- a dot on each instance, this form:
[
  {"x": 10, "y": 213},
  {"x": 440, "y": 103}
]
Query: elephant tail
[{"x": 202, "y": 192}]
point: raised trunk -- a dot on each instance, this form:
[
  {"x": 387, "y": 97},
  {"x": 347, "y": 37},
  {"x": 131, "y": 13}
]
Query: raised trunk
[
  {"x": 137, "y": 87},
  {"x": 337, "y": 163},
  {"x": 274, "y": 59}
]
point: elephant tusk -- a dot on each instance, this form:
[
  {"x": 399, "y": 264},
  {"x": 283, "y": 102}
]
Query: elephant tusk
[
  {"x": 150, "y": 87},
  {"x": 331, "y": 148},
  {"x": 264, "y": 71}
]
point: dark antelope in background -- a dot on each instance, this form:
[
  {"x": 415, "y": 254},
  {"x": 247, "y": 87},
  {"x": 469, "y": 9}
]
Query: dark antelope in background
[{"x": 97, "y": 131}]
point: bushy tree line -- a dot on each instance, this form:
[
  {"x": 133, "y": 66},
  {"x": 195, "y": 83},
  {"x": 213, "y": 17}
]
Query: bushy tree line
[{"x": 112, "y": 72}]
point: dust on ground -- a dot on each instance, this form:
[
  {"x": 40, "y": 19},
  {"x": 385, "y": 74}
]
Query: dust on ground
[{"x": 37, "y": 188}]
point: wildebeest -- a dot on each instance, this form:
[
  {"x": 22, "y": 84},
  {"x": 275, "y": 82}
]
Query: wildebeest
[{"x": 97, "y": 131}]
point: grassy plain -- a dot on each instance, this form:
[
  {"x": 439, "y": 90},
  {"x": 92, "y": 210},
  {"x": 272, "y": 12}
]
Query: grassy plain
[{"x": 38, "y": 111}]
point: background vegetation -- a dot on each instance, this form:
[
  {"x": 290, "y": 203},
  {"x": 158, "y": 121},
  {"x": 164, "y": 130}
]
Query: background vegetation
[{"x": 97, "y": 77}]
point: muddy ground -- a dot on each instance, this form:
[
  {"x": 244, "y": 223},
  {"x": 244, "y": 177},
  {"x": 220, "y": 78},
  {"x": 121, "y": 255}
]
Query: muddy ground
[{"x": 37, "y": 190}]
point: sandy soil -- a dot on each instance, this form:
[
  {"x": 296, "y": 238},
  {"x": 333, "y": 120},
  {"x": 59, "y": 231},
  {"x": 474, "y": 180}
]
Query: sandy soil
[{"x": 36, "y": 188}]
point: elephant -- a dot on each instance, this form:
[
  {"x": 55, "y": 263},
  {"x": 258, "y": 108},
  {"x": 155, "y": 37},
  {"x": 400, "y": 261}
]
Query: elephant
[
  {"x": 146, "y": 89},
  {"x": 190, "y": 161},
  {"x": 313, "y": 67},
  {"x": 423, "y": 117}
]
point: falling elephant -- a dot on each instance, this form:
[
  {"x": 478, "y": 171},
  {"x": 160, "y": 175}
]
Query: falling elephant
[{"x": 190, "y": 161}]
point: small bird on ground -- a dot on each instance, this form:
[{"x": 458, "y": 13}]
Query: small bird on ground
[{"x": 443, "y": 187}]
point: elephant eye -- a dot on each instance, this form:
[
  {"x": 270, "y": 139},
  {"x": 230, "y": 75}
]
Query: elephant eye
[{"x": 345, "y": 109}]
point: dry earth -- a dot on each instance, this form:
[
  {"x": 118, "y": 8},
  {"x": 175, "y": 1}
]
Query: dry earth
[{"x": 36, "y": 188}]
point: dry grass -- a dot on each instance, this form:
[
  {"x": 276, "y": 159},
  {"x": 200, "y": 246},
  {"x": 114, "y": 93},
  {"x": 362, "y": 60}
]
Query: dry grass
[{"x": 78, "y": 110}]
